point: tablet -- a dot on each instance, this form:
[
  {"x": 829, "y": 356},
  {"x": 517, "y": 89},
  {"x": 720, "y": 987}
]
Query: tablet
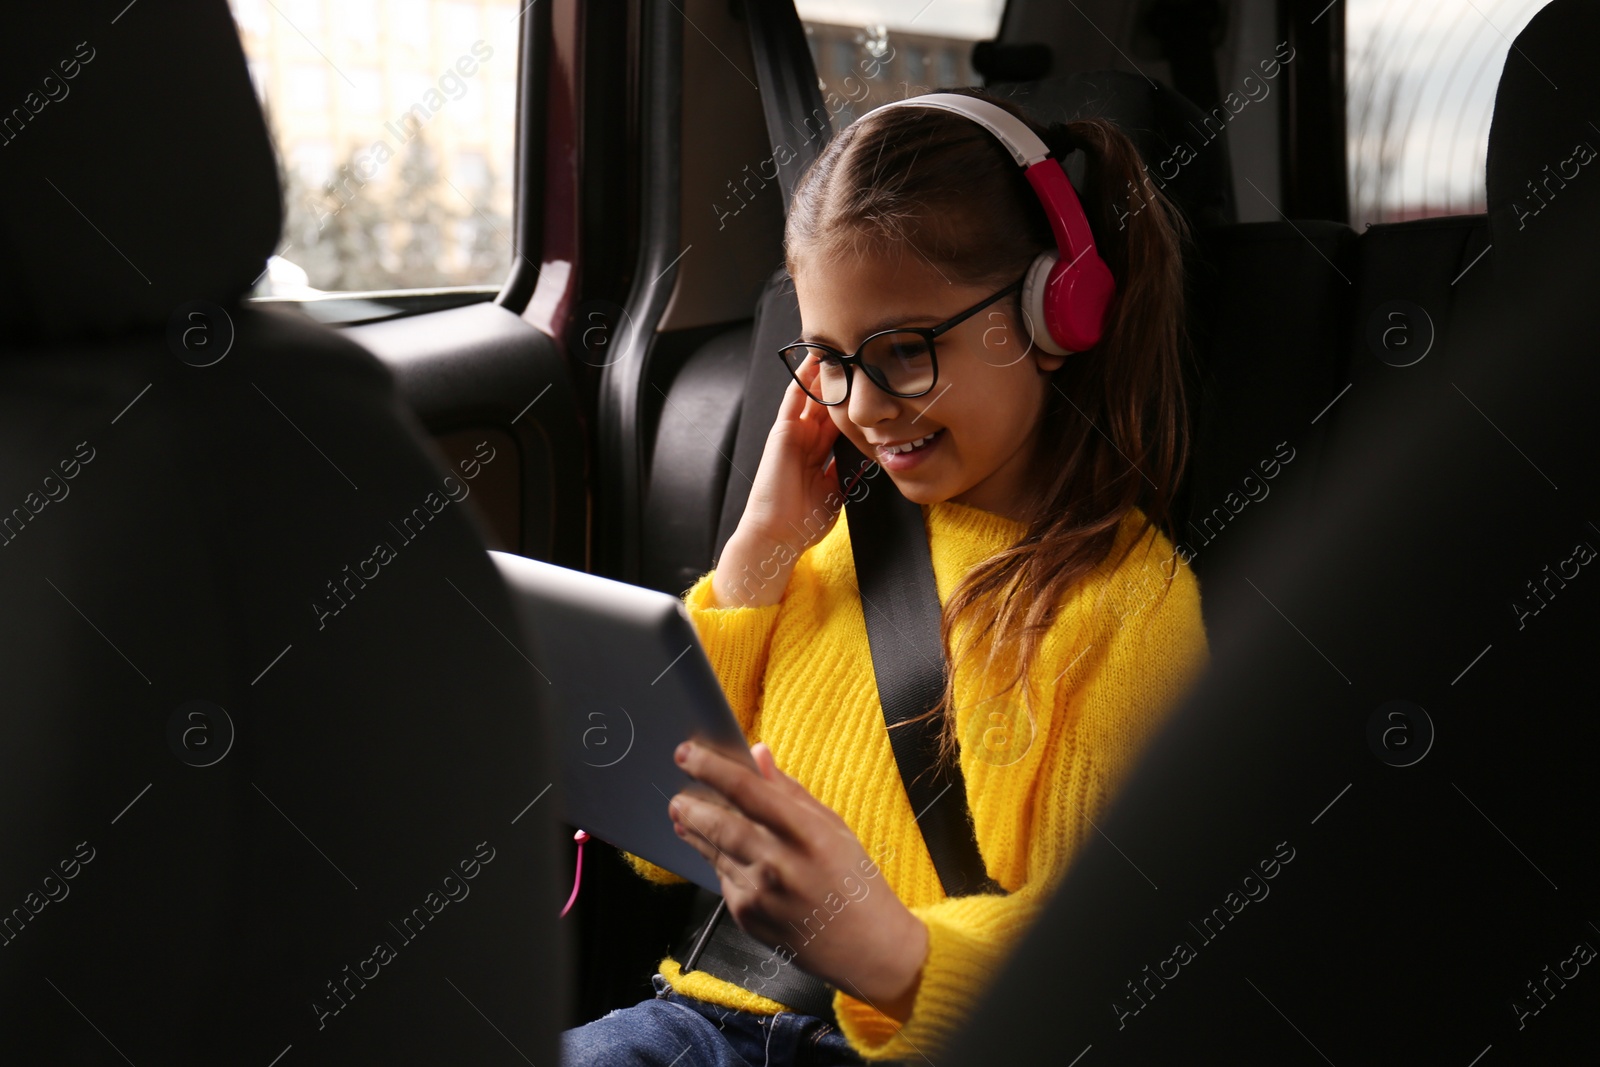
[{"x": 626, "y": 682}]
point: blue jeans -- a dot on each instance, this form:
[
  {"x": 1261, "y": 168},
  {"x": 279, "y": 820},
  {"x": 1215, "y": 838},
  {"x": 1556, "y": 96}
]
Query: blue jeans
[{"x": 673, "y": 1030}]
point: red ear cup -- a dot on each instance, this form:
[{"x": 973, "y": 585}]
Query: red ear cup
[
  {"x": 1075, "y": 301},
  {"x": 1070, "y": 300},
  {"x": 1065, "y": 303}
]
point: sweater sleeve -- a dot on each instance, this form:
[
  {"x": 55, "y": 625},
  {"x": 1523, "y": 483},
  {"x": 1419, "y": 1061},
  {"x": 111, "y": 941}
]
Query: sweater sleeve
[
  {"x": 1112, "y": 704},
  {"x": 650, "y": 872},
  {"x": 736, "y": 641}
]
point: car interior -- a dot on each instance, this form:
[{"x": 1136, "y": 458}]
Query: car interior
[{"x": 1418, "y": 388}]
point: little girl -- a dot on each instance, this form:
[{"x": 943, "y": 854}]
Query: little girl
[{"x": 1070, "y": 624}]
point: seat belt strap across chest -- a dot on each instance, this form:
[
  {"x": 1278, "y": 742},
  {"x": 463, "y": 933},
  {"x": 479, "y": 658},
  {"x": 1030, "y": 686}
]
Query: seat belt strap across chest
[{"x": 900, "y": 602}]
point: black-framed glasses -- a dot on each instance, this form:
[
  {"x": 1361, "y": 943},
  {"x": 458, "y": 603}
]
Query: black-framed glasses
[{"x": 900, "y": 361}]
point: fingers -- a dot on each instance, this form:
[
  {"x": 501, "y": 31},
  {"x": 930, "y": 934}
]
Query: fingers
[
  {"x": 794, "y": 403},
  {"x": 815, "y": 412},
  {"x": 770, "y": 770},
  {"x": 769, "y": 767},
  {"x": 764, "y": 760},
  {"x": 810, "y": 370},
  {"x": 807, "y": 409},
  {"x": 799, "y": 445},
  {"x": 827, "y": 432},
  {"x": 762, "y": 801},
  {"x": 715, "y": 832},
  {"x": 828, "y": 473},
  {"x": 739, "y": 851}
]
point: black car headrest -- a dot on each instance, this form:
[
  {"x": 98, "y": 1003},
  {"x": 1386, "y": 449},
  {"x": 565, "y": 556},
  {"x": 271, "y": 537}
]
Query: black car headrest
[
  {"x": 1543, "y": 161},
  {"x": 1171, "y": 133},
  {"x": 135, "y": 164}
]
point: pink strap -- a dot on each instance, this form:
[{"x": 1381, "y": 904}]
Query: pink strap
[{"x": 577, "y": 875}]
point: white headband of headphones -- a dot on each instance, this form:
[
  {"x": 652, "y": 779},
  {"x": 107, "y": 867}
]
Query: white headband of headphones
[{"x": 1023, "y": 144}]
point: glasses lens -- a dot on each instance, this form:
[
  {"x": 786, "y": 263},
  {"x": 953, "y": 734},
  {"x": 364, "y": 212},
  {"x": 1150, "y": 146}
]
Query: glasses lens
[
  {"x": 900, "y": 363},
  {"x": 819, "y": 371}
]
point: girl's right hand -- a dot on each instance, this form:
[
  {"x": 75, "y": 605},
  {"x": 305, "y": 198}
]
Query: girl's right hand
[
  {"x": 794, "y": 501},
  {"x": 795, "y": 482}
]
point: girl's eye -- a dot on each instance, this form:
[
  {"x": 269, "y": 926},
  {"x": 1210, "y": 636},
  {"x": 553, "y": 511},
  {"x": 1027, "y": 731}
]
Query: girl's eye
[
  {"x": 827, "y": 359},
  {"x": 908, "y": 349}
]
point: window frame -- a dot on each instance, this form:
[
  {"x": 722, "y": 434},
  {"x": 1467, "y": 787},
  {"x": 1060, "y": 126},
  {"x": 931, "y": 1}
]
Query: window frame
[{"x": 356, "y": 307}]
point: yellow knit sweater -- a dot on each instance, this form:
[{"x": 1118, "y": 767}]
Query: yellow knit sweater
[{"x": 799, "y": 677}]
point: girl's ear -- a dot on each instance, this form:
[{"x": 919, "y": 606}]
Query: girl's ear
[{"x": 1047, "y": 363}]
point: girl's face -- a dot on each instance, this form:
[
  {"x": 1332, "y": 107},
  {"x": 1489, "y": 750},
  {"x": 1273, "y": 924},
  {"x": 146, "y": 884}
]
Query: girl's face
[{"x": 984, "y": 411}]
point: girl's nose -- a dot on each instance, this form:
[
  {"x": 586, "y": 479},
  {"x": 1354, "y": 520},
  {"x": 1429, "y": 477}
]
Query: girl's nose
[{"x": 869, "y": 405}]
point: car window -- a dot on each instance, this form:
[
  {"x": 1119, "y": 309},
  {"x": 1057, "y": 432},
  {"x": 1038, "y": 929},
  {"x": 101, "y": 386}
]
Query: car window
[
  {"x": 1420, "y": 85},
  {"x": 869, "y": 52},
  {"x": 395, "y": 124}
]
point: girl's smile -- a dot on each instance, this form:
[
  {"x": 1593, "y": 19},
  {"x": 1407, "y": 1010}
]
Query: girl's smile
[{"x": 904, "y": 455}]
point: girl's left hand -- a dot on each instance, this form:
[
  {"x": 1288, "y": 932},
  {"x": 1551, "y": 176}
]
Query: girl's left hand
[{"x": 788, "y": 862}]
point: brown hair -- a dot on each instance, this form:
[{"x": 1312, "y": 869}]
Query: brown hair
[{"x": 1114, "y": 436}]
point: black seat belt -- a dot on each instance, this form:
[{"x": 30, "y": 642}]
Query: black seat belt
[
  {"x": 791, "y": 99},
  {"x": 900, "y": 601}
]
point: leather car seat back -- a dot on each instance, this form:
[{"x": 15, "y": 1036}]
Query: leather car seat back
[{"x": 267, "y": 754}]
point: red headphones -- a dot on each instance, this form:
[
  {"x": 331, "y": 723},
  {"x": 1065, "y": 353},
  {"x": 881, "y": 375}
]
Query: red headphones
[{"x": 1070, "y": 297}]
